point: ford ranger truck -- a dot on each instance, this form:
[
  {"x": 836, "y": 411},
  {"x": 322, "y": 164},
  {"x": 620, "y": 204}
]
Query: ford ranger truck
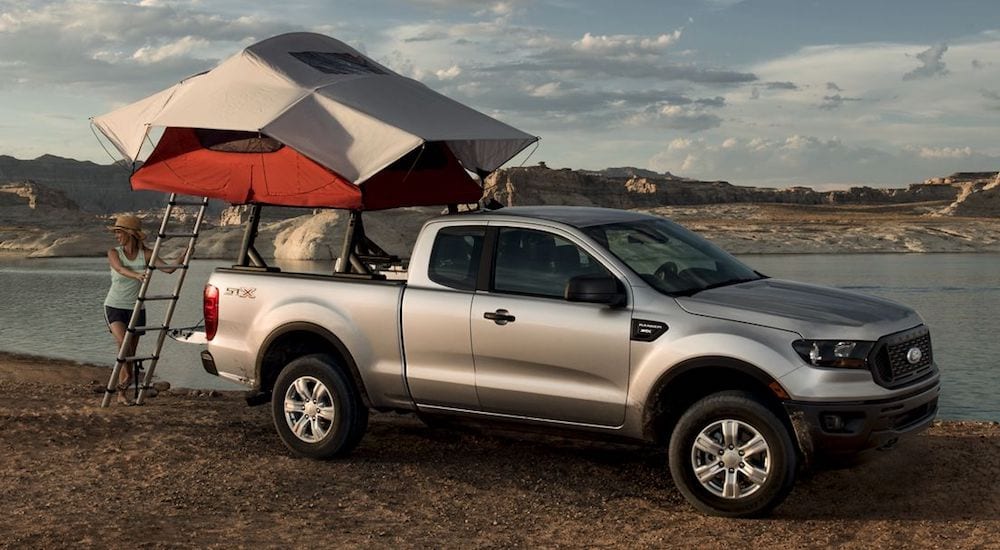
[{"x": 577, "y": 320}]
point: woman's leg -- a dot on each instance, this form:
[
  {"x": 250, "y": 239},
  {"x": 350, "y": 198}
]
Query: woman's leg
[
  {"x": 125, "y": 374},
  {"x": 118, "y": 331}
]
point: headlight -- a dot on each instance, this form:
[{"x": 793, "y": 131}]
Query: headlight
[{"x": 834, "y": 353}]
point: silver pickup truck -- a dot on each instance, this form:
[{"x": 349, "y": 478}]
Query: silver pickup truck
[{"x": 581, "y": 320}]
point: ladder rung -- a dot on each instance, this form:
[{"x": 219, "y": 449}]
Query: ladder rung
[
  {"x": 170, "y": 267},
  {"x": 149, "y": 328},
  {"x": 177, "y": 235},
  {"x": 157, "y": 297},
  {"x": 138, "y": 358},
  {"x": 188, "y": 202}
]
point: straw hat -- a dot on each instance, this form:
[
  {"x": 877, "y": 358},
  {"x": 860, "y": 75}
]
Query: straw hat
[{"x": 129, "y": 224}]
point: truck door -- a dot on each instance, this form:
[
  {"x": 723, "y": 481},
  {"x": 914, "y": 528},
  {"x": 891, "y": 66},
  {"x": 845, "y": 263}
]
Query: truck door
[
  {"x": 538, "y": 355},
  {"x": 436, "y": 338}
]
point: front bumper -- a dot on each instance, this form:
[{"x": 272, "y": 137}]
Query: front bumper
[{"x": 842, "y": 429}]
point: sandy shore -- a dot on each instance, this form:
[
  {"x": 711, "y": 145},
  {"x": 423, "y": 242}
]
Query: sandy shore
[{"x": 210, "y": 472}]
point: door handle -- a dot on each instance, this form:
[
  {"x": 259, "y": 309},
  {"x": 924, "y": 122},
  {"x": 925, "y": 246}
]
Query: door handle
[{"x": 500, "y": 316}]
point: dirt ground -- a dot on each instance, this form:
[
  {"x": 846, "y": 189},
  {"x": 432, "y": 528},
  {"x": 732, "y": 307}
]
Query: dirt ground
[{"x": 208, "y": 471}]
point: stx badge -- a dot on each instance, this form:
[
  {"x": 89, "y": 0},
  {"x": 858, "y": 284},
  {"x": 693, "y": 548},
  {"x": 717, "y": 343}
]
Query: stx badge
[{"x": 242, "y": 292}]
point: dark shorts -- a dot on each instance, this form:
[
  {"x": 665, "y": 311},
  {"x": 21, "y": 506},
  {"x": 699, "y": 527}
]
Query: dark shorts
[{"x": 118, "y": 315}]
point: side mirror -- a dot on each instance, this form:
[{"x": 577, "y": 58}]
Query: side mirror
[{"x": 595, "y": 289}]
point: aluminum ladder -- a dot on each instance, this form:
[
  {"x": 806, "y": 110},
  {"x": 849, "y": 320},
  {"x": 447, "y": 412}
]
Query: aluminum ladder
[{"x": 130, "y": 333}]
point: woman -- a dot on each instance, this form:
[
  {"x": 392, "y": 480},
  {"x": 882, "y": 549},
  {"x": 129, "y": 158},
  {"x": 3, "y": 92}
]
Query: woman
[{"x": 128, "y": 269}]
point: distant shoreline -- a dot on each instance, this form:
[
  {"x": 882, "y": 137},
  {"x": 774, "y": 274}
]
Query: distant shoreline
[{"x": 749, "y": 229}]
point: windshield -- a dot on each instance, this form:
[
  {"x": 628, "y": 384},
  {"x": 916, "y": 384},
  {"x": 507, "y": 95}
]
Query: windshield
[{"x": 670, "y": 258}]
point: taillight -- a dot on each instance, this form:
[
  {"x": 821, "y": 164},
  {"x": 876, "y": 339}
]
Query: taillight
[{"x": 211, "y": 310}]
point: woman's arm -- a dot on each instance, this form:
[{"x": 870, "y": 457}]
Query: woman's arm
[
  {"x": 163, "y": 265},
  {"x": 116, "y": 264}
]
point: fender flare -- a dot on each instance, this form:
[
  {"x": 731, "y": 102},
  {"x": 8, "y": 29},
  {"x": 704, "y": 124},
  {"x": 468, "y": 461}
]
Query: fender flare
[
  {"x": 329, "y": 337},
  {"x": 707, "y": 362},
  {"x": 710, "y": 361}
]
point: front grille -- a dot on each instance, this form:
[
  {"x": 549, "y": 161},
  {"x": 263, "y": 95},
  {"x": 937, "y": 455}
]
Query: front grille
[{"x": 890, "y": 365}]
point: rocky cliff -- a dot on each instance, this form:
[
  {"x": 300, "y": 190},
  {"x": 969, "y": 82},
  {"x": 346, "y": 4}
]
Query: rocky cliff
[
  {"x": 93, "y": 187},
  {"x": 979, "y": 194},
  {"x": 34, "y": 217},
  {"x": 32, "y": 196},
  {"x": 631, "y": 189}
]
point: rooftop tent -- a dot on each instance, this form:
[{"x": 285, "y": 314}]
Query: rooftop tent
[{"x": 302, "y": 119}]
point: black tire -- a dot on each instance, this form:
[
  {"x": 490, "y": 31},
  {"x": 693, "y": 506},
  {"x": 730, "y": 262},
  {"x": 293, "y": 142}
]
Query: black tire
[
  {"x": 745, "y": 416},
  {"x": 332, "y": 419}
]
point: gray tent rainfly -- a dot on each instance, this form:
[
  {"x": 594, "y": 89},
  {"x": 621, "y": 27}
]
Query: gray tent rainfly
[{"x": 302, "y": 119}]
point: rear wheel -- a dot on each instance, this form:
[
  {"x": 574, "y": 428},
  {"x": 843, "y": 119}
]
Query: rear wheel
[
  {"x": 731, "y": 456},
  {"x": 317, "y": 411}
]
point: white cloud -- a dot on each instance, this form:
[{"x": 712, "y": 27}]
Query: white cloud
[
  {"x": 8, "y": 22},
  {"x": 180, "y": 48},
  {"x": 687, "y": 118},
  {"x": 549, "y": 89},
  {"x": 943, "y": 152},
  {"x": 499, "y": 9},
  {"x": 448, "y": 74},
  {"x": 625, "y": 45}
]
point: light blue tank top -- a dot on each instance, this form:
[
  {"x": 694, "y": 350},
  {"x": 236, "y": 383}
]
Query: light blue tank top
[{"x": 124, "y": 291}]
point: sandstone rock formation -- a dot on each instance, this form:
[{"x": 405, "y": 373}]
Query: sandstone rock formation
[
  {"x": 620, "y": 188},
  {"x": 979, "y": 194},
  {"x": 32, "y": 195},
  {"x": 34, "y": 217},
  {"x": 94, "y": 187}
]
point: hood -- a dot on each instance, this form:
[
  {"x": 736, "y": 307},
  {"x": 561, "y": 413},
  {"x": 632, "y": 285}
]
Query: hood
[{"x": 815, "y": 312}]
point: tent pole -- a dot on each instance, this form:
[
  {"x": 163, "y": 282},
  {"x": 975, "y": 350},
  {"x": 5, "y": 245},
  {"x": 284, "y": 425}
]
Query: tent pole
[
  {"x": 349, "y": 239},
  {"x": 247, "y": 251}
]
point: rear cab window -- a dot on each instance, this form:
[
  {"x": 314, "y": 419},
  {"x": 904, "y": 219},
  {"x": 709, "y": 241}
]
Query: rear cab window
[{"x": 455, "y": 256}]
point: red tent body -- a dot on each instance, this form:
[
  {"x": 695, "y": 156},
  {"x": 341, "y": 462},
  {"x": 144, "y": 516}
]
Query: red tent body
[{"x": 244, "y": 168}]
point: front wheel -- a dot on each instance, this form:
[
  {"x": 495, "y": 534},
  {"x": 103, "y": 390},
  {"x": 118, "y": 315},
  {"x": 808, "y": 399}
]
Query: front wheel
[
  {"x": 731, "y": 456},
  {"x": 317, "y": 411}
]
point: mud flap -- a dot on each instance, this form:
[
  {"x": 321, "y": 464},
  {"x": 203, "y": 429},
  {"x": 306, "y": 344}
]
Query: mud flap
[{"x": 803, "y": 435}]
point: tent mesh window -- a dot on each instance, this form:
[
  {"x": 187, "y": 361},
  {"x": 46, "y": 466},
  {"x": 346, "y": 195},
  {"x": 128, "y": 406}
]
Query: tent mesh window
[
  {"x": 337, "y": 63},
  {"x": 429, "y": 157},
  {"x": 234, "y": 141}
]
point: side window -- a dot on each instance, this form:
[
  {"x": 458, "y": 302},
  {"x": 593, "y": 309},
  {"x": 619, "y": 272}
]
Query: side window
[
  {"x": 538, "y": 263},
  {"x": 455, "y": 257}
]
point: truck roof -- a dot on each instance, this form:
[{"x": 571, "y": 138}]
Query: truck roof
[{"x": 576, "y": 216}]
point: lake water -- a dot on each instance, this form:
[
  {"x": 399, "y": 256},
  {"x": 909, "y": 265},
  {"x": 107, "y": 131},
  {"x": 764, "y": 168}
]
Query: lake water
[{"x": 52, "y": 307}]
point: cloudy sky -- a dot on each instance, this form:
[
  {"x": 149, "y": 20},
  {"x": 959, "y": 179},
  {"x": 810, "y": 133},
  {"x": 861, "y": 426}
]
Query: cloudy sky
[{"x": 782, "y": 92}]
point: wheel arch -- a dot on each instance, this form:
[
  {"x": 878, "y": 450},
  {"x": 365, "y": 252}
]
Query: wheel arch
[
  {"x": 292, "y": 340},
  {"x": 687, "y": 382}
]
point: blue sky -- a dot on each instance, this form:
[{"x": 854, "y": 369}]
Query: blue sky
[{"x": 774, "y": 93}]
